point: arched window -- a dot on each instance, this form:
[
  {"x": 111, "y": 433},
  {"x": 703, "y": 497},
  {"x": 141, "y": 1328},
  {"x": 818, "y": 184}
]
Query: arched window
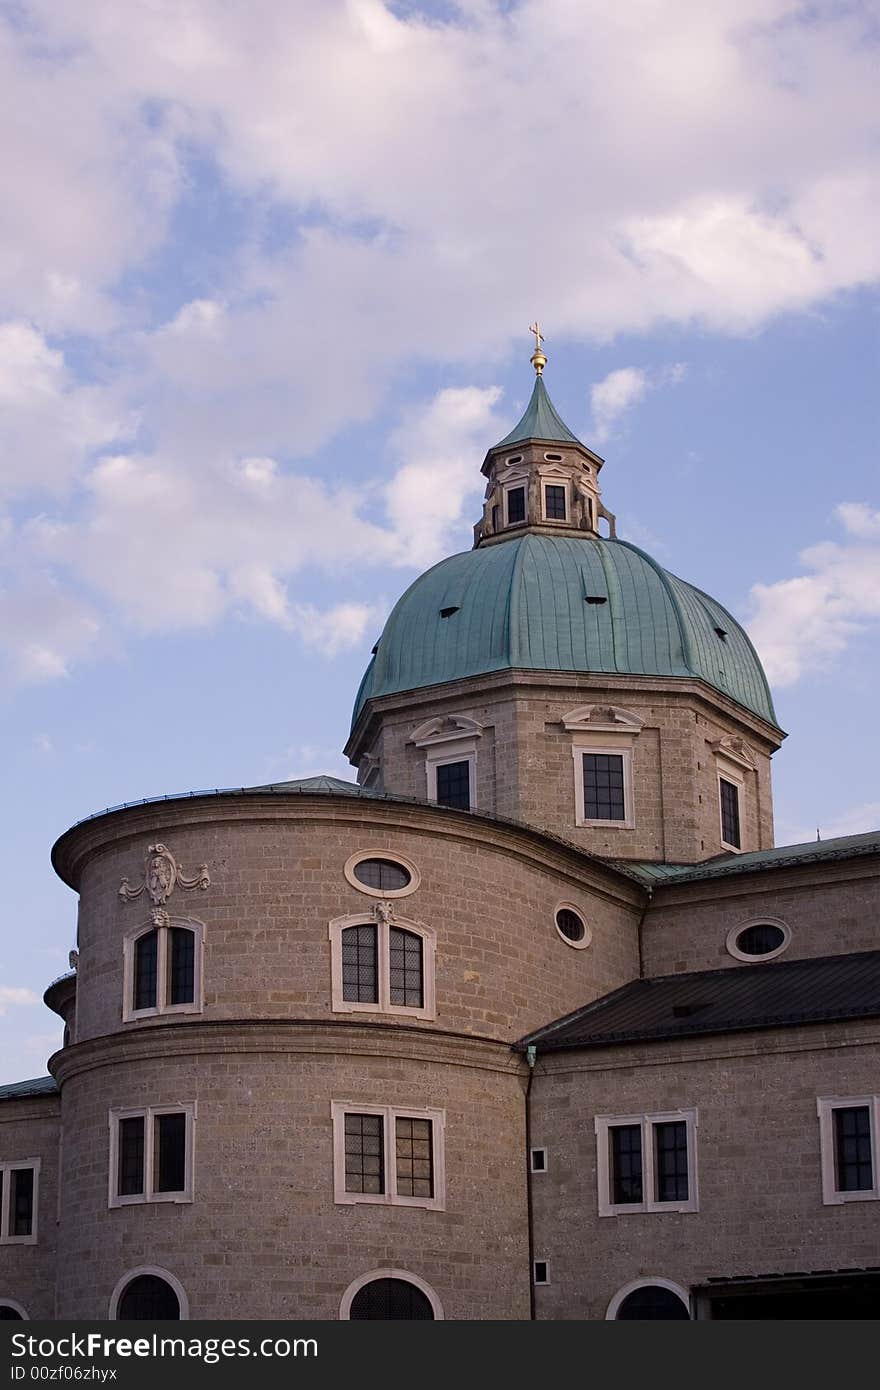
[
  {"x": 148, "y": 1295},
  {"x": 649, "y": 1300},
  {"x": 11, "y": 1312},
  {"x": 385, "y": 1294},
  {"x": 382, "y": 966},
  {"x": 163, "y": 967}
]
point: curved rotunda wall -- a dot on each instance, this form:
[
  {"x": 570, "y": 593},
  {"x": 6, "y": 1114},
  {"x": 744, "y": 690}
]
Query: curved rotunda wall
[
  {"x": 275, "y": 867},
  {"x": 264, "y": 1236}
]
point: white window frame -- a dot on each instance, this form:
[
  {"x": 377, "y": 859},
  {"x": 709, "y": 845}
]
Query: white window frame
[
  {"x": 825, "y": 1107},
  {"x": 726, "y": 775},
  {"x": 452, "y": 739},
  {"x": 163, "y": 927},
  {"x": 7, "y": 1168},
  {"x": 604, "y": 1123},
  {"x": 389, "y": 1113},
  {"x": 578, "y": 750},
  {"x": 392, "y": 856},
  {"x": 587, "y": 937},
  {"x": 16, "y": 1307},
  {"x": 565, "y": 484},
  {"x": 540, "y": 1283},
  {"x": 762, "y": 921},
  {"x": 655, "y": 1281},
  {"x": 149, "y": 1114},
  {"x": 388, "y": 1272},
  {"x": 509, "y": 486},
  {"x": 442, "y": 757},
  {"x": 532, "y": 1153},
  {"x": 382, "y": 921},
  {"x": 159, "y": 1273}
]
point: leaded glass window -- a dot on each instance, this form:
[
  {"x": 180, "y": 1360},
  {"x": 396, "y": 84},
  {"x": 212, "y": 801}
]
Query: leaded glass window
[
  {"x": 414, "y": 1150},
  {"x": 730, "y": 832},
  {"x": 626, "y": 1164},
  {"x": 148, "y": 1298},
  {"x": 406, "y": 977},
  {"x": 386, "y": 1299},
  {"x": 454, "y": 784},
  {"x": 384, "y": 874},
  {"x": 852, "y": 1148},
  {"x": 364, "y": 1153},
  {"x": 145, "y": 970},
  {"x": 360, "y": 968},
  {"x": 603, "y": 787},
  {"x": 671, "y": 1161}
]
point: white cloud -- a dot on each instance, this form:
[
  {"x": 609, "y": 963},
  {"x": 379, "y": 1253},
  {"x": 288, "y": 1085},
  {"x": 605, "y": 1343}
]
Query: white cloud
[
  {"x": 10, "y": 996},
  {"x": 623, "y": 388},
  {"x": 803, "y": 623}
]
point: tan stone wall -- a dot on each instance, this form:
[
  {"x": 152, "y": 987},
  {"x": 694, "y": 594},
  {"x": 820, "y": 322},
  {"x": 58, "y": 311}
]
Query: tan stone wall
[
  {"x": 29, "y": 1129},
  {"x": 525, "y": 769},
  {"x": 758, "y": 1154},
  {"x": 830, "y": 908},
  {"x": 263, "y": 1237},
  {"x": 276, "y": 870}
]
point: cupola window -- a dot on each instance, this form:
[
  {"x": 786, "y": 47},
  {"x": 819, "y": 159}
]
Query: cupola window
[
  {"x": 730, "y": 828},
  {"x": 604, "y": 787},
  {"x": 516, "y": 505},
  {"x": 454, "y": 784},
  {"x": 554, "y": 502}
]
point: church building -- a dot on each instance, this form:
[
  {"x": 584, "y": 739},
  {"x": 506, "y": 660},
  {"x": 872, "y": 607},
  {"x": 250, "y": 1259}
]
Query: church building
[{"x": 531, "y": 1020}]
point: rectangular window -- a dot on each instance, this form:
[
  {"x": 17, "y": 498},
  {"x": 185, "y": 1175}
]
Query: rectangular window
[
  {"x": 388, "y": 1155},
  {"x": 131, "y": 1156},
  {"x": 364, "y": 1153},
  {"x": 18, "y": 1202},
  {"x": 647, "y": 1162},
  {"x": 405, "y": 968},
  {"x": 360, "y": 968},
  {"x": 151, "y": 1155},
  {"x": 539, "y": 1160},
  {"x": 414, "y": 1156},
  {"x": 848, "y": 1130},
  {"x": 730, "y": 833},
  {"x": 626, "y": 1163},
  {"x": 181, "y": 966},
  {"x": 604, "y": 787},
  {"x": 516, "y": 505},
  {"x": 454, "y": 784},
  {"x": 554, "y": 502},
  {"x": 145, "y": 970}
]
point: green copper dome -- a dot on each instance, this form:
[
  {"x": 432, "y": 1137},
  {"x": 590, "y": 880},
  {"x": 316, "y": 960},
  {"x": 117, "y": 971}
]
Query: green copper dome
[{"x": 561, "y": 603}]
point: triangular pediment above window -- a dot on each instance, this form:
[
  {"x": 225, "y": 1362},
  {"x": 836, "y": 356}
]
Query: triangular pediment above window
[
  {"x": 445, "y": 729},
  {"x": 604, "y": 718},
  {"x": 734, "y": 749}
]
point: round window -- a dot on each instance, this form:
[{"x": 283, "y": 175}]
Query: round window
[
  {"x": 381, "y": 876},
  {"x": 758, "y": 940},
  {"x": 571, "y": 927}
]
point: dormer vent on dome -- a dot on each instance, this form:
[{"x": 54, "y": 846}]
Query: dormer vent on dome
[{"x": 535, "y": 488}]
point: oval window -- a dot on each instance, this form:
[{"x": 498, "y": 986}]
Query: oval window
[
  {"x": 758, "y": 940},
  {"x": 383, "y": 874},
  {"x": 571, "y": 927}
]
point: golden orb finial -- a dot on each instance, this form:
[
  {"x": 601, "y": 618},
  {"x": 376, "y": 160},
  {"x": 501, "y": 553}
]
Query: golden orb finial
[{"x": 538, "y": 358}]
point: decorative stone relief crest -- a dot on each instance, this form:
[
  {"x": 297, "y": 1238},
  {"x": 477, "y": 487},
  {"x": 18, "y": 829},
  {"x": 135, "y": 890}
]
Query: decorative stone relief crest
[
  {"x": 734, "y": 748},
  {"x": 445, "y": 729},
  {"x": 610, "y": 718},
  {"x": 384, "y": 913},
  {"x": 162, "y": 874}
]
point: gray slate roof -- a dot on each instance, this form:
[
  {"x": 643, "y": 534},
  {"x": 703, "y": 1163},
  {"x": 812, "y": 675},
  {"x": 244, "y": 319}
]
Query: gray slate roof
[
  {"x": 737, "y": 998},
  {"x": 17, "y": 1090}
]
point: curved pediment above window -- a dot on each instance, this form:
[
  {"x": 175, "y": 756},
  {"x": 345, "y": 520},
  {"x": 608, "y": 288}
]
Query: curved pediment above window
[
  {"x": 445, "y": 729},
  {"x": 736, "y": 750},
  {"x": 602, "y": 718}
]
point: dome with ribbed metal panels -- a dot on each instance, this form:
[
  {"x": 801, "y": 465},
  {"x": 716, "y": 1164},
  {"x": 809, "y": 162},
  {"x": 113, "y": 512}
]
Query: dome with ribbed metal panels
[{"x": 561, "y": 603}]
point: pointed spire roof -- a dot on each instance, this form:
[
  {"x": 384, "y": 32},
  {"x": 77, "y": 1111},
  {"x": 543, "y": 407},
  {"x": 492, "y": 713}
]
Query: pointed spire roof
[{"x": 539, "y": 421}]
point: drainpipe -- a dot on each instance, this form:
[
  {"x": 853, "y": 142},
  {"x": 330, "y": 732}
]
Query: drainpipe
[{"x": 531, "y": 1055}]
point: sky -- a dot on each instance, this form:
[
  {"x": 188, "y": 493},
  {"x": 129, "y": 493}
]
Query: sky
[{"x": 266, "y": 276}]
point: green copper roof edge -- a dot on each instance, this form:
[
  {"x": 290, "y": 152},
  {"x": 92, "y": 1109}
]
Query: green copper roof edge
[{"x": 750, "y": 644}]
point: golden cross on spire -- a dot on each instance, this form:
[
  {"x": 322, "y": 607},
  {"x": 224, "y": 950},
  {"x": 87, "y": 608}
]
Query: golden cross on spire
[{"x": 538, "y": 358}]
